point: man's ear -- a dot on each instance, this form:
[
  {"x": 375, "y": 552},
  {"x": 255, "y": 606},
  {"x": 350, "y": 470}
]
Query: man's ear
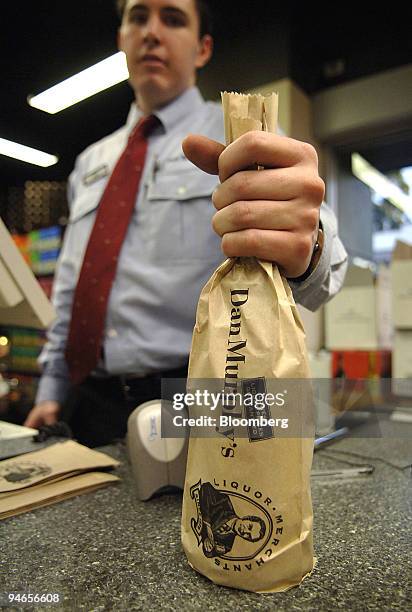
[{"x": 205, "y": 51}]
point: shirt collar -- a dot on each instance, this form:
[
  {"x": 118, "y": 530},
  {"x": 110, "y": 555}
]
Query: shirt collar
[{"x": 171, "y": 114}]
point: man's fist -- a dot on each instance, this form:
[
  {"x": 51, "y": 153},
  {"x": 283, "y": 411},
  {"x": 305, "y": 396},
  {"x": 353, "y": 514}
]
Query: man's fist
[
  {"x": 45, "y": 413},
  {"x": 272, "y": 214}
]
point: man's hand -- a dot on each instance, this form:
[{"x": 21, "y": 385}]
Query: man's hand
[
  {"x": 210, "y": 534},
  {"x": 45, "y": 413},
  {"x": 272, "y": 214},
  {"x": 208, "y": 545},
  {"x": 209, "y": 540}
]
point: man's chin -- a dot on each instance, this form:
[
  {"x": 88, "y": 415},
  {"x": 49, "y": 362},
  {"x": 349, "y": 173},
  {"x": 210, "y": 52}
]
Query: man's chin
[{"x": 155, "y": 90}]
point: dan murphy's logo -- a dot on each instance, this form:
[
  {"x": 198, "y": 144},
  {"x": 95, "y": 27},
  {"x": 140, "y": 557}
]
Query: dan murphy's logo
[{"x": 235, "y": 523}]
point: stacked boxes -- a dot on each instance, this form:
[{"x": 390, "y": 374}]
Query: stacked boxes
[
  {"x": 319, "y": 362},
  {"x": 22, "y": 242},
  {"x": 41, "y": 249},
  {"x": 359, "y": 332},
  {"x": 359, "y": 317},
  {"x": 402, "y": 318},
  {"x": 313, "y": 323},
  {"x": 26, "y": 345},
  {"x": 320, "y": 366}
]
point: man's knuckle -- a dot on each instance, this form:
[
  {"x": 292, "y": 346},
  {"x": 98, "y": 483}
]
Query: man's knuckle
[
  {"x": 244, "y": 215},
  {"x": 304, "y": 246},
  {"x": 228, "y": 247},
  {"x": 309, "y": 151},
  {"x": 216, "y": 198},
  {"x": 216, "y": 224},
  {"x": 311, "y": 217},
  {"x": 251, "y": 138},
  {"x": 317, "y": 185},
  {"x": 321, "y": 187},
  {"x": 257, "y": 140},
  {"x": 221, "y": 163},
  {"x": 252, "y": 239},
  {"x": 242, "y": 181},
  {"x": 314, "y": 187}
]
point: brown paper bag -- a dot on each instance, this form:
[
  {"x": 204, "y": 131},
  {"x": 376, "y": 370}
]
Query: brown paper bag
[
  {"x": 50, "y": 463},
  {"x": 50, "y": 475},
  {"x": 247, "y": 512},
  {"x": 53, "y": 492}
]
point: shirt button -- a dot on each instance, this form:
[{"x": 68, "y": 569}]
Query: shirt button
[{"x": 112, "y": 333}]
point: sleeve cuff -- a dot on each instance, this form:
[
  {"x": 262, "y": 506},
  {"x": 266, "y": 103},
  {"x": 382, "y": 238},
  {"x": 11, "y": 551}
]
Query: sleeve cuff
[{"x": 52, "y": 389}]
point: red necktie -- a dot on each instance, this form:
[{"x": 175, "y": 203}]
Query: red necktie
[{"x": 83, "y": 349}]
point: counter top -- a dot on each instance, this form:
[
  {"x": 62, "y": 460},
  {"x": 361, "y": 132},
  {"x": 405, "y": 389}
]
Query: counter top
[{"x": 108, "y": 551}]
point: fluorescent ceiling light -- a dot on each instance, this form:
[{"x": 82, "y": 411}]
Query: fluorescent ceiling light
[
  {"x": 86, "y": 83},
  {"x": 26, "y": 154},
  {"x": 381, "y": 184}
]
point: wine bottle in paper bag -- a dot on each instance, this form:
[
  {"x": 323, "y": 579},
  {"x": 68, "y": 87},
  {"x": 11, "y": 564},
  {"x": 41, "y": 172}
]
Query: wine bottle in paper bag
[{"x": 247, "y": 512}]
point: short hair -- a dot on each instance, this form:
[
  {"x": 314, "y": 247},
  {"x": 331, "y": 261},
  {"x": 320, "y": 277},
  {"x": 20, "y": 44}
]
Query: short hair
[
  {"x": 203, "y": 10},
  {"x": 257, "y": 519}
]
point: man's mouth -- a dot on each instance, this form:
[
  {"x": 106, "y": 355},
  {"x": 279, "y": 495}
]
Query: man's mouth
[{"x": 150, "y": 58}]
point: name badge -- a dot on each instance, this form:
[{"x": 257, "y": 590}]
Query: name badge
[{"x": 95, "y": 175}]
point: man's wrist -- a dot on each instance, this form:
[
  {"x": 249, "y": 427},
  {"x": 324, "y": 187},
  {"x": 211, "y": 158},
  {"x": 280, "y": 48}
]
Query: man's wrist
[{"x": 316, "y": 254}]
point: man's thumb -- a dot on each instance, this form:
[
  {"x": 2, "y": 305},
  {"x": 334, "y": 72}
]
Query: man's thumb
[{"x": 203, "y": 152}]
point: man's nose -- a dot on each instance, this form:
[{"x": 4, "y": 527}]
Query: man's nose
[{"x": 153, "y": 29}]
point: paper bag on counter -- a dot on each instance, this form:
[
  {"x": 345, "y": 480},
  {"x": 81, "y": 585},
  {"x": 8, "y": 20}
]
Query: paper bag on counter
[
  {"x": 50, "y": 463},
  {"x": 247, "y": 512},
  {"x": 53, "y": 492},
  {"x": 50, "y": 475}
]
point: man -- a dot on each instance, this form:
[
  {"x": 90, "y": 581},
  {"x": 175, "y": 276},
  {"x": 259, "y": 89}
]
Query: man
[
  {"x": 169, "y": 249},
  {"x": 221, "y": 524}
]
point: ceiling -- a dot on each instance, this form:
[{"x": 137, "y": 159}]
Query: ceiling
[{"x": 47, "y": 40}]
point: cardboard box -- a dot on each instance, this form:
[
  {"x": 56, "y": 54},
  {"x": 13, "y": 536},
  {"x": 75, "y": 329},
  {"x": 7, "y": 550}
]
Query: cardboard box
[
  {"x": 359, "y": 316},
  {"x": 402, "y": 285},
  {"x": 321, "y": 368},
  {"x": 383, "y": 286},
  {"x": 402, "y": 363},
  {"x": 313, "y": 322}
]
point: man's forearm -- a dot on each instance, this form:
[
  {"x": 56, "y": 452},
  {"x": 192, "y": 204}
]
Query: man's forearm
[{"x": 52, "y": 387}]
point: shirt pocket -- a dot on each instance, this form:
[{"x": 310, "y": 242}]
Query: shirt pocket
[
  {"x": 180, "y": 213},
  {"x": 82, "y": 216}
]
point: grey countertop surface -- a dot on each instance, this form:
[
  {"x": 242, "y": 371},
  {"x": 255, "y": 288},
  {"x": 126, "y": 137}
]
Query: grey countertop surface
[{"x": 108, "y": 551}]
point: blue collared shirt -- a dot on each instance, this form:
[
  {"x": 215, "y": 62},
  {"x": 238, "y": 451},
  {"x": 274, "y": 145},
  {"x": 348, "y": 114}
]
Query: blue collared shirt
[{"x": 168, "y": 254}]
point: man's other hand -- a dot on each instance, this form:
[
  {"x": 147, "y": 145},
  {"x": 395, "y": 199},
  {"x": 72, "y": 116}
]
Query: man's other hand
[
  {"x": 272, "y": 214},
  {"x": 45, "y": 413}
]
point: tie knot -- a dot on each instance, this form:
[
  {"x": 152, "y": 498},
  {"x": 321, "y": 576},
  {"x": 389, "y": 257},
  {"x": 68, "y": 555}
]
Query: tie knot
[{"x": 144, "y": 127}]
